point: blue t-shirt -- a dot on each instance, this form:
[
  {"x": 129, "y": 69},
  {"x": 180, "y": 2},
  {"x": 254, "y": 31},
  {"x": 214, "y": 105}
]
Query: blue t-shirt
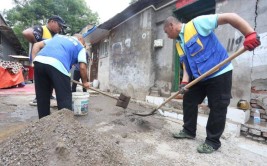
[{"x": 46, "y": 59}]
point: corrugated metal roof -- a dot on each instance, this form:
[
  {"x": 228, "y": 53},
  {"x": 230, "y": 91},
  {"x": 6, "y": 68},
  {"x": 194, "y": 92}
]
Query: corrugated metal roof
[
  {"x": 104, "y": 28},
  {"x": 12, "y": 39},
  {"x": 130, "y": 11}
]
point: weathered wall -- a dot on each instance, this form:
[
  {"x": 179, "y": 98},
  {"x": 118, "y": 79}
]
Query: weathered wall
[
  {"x": 259, "y": 74},
  {"x": 6, "y": 49},
  {"x": 133, "y": 65},
  {"x": 130, "y": 60},
  {"x": 164, "y": 59},
  {"x": 249, "y": 68}
]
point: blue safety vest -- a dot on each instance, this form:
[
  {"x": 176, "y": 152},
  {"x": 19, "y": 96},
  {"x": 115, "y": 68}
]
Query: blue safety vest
[
  {"x": 201, "y": 53},
  {"x": 63, "y": 48}
]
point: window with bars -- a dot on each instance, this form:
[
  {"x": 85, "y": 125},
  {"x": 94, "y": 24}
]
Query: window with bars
[{"x": 104, "y": 49}]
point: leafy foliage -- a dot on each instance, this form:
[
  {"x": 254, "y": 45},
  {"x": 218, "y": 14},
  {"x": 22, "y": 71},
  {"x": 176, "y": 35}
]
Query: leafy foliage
[{"x": 27, "y": 13}]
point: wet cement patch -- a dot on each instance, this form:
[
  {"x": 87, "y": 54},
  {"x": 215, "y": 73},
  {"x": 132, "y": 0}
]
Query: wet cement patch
[{"x": 15, "y": 113}]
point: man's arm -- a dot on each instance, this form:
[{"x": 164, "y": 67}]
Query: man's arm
[
  {"x": 36, "y": 48},
  {"x": 83, "y": 72},
  {"x": 34, "y": 34},
  {"x": 236, "y": 21},
  {"x": 28, "y": 35},
  {"x": 185, "y": 80},
  {"x": 252, "y": 40},
  {"x": 83, "y": 67},
  {"x": 185, "y": 74}
]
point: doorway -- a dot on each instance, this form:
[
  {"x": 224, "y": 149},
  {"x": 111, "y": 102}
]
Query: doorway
[{"x": 185, "y": 14}]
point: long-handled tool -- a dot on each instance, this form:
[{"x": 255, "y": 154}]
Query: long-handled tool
[
  {"x": 122, "y": 101},
  {"x": 209, "y": 72}
]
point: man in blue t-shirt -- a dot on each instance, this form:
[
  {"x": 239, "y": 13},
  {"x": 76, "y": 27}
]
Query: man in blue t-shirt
[
  {"x": 52, "y": 60},
  {"x": 199, "y": 51}
]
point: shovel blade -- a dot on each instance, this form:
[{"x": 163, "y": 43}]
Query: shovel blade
[{"x": 123, "y": 101}]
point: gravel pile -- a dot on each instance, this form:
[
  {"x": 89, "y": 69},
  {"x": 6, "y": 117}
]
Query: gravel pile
[{"x": 58, "y": 140}]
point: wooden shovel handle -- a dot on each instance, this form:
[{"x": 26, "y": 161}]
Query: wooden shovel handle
[
  {"x": 76, "y": 82},
  {"x": 209, "y": 72}
]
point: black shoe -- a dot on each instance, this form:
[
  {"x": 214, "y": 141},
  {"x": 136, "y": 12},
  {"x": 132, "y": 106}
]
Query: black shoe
[
  {"x": 182, "y": 135},
  {"x": 34, "y": 101},
  {"x": 205, "y": 148}
]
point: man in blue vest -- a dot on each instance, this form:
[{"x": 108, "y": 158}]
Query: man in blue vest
[
  {"x": 53, "y": 59},
  {"x": 38, "y": 33},
  {"x": 200, "y": 50}
]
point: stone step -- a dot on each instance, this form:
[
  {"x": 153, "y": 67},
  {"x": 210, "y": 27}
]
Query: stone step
[{"x": 235, "y": 117}]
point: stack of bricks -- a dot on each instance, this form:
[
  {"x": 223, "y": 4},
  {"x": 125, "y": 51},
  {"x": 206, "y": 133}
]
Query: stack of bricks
[{"x": 253, "y": 131}]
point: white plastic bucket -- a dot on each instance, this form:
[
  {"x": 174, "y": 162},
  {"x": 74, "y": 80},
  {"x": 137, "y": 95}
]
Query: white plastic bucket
[
  {"x": 95, "y": 83},
  {"x": 80, "y": 103}
]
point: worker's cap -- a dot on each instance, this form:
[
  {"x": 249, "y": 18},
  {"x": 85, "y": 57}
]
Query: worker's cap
[{"x": 59, "y": 20}]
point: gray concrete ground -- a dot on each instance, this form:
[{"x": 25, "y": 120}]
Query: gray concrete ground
[{"x": 143, "y": 140}]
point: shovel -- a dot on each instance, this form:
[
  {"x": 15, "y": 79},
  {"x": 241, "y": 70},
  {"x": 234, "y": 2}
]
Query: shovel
[
  {"x": 209, "y": 72},
  {"x": 122, "y": 101}
]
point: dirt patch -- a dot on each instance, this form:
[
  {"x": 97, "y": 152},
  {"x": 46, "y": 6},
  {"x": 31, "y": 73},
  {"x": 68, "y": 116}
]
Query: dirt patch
[
  {"x": 110, "y": 135},
  {"x": 9, "y": 130},
  {"x": 59, "y": 140}
]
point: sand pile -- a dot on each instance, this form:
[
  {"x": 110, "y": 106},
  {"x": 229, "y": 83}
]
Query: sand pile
[{"x": 59, "y": 139}]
